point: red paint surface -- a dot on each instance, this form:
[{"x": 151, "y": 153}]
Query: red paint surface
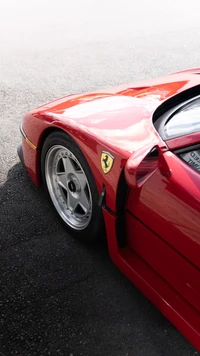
[{"x": 163, "y": 216}]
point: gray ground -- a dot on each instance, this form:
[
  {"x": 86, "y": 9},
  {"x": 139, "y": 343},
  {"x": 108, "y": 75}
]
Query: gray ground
[{"x": 57, "y": 296}]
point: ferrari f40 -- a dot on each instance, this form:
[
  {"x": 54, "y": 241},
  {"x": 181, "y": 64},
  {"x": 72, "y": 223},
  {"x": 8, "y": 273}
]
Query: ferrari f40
[{"x": 125, "y": 163}]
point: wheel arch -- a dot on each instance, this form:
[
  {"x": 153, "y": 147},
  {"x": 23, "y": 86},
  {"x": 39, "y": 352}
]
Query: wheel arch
[
  {"x": 42, "y": 140},
  {"x": 92, "y": 152}
]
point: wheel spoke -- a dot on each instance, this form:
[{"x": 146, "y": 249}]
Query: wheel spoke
[
  {"x": 81, "y": 178},
  {"x": 83, "y": 201},
  {"x": 68, "y": 165},
  {"x": 62, "y": 180},
  {"x": 71, "y": 201}
]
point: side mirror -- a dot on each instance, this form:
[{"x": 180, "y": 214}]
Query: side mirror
[{"x": 143, "y": 164}]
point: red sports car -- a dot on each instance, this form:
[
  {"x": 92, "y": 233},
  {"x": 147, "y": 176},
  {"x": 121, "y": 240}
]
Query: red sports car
[{"x": 125, "y": 162}]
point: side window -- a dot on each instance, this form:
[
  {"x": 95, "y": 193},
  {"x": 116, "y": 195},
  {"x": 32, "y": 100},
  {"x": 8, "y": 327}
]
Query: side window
[
  {"x": 192, "y": 158},
  {"x": 185, "y": 121}
]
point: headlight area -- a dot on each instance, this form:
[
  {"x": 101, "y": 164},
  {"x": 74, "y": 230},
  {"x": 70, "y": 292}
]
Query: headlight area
[{"x": 26, "y": 138}]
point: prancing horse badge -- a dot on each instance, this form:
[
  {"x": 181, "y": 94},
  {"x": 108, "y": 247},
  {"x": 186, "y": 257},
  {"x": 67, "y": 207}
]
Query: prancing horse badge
[{"x": 107, "y": 161}]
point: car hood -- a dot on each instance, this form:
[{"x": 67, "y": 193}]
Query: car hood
[{"x": 120, "y": 117}]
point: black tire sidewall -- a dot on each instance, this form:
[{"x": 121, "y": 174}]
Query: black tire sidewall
[{"x": 95, "y": 229}]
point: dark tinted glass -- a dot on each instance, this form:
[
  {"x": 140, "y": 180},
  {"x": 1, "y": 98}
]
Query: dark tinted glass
[{"x": 185, "y": 121}]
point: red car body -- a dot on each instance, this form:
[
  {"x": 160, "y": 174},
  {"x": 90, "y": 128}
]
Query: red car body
[{"x": 153, "y": 230}]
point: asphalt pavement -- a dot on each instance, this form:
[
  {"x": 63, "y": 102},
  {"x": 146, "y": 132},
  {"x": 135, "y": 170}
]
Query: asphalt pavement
[{"x": 58, "y": 296}]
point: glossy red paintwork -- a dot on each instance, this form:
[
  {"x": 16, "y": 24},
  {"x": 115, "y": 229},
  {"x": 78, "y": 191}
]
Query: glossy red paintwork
[
  {"x": 183, "y": 141},
  {"x": 175, "y": 212},
  {"x": 139, "y": 168},
  {"x": 161, "y": 254},
  {"x": 171, "y": 303}
]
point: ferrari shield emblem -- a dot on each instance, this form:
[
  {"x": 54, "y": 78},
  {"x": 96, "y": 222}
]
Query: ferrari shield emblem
[{"x": 106, "y": 161}]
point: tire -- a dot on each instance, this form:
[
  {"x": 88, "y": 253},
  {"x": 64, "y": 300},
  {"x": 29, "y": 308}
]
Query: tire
[{"x": 71, "y": 187}]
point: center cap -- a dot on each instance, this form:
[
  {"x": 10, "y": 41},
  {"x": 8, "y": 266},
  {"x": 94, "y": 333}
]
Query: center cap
[{"x": 72, "y": 186}]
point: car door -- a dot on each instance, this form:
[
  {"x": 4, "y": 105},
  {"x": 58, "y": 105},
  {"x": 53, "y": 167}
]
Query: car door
[{"x": 163, "y": 217}]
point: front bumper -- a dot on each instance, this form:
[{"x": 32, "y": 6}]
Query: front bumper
[{"x": 20, "y": 153}]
